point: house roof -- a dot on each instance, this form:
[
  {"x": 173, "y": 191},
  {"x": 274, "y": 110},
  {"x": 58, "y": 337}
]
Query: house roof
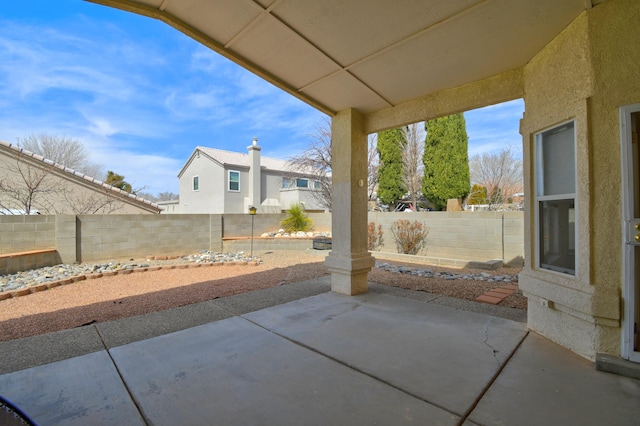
[
  {"x": 240, "y": 159},
  {"x": 79, "y": 177},
  {"x": 375, "y": 56}
]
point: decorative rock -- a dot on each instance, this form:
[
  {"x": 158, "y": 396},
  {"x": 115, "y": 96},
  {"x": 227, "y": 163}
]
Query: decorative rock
[
  {"x": 23, "y": 282},
  {"x": 428, "y": 273}
]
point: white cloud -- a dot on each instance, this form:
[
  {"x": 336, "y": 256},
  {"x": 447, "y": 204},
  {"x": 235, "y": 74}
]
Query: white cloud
[
  {"x": 495, "y": 127},
  {"x": 141, "y": 101}
]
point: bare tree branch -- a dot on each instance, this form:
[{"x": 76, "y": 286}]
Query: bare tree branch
[
  {"x": 316, "y": 159},
  {"x": 500, "y": 173},
  {"x": 27, "y": 188},
  {"x": 62, "y": 150},
  {"x": 372, "y": 168},
  {"x": 412, "y": 165}
]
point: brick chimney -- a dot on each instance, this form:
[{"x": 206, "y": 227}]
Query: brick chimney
[{"x": 254, "y": 174}]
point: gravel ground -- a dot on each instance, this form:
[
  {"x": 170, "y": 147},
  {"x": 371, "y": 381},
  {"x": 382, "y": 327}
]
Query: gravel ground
[{"x": 113, "y": 297}]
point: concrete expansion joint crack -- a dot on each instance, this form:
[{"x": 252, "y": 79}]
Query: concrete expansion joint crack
[
  {"x": 486, "y": 340},
  {"x": 135, "y": 402}
]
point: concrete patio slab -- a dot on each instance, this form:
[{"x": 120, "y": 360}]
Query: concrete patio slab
[
  {"x": 85, "y": 390},
  {"x": 234, "y": 372},
  {"x": 545, "y": 384},
  {"x": 440, "y": 355},
  {"x": 391, "y": 356}
]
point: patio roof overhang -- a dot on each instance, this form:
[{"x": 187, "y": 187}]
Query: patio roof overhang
[{"x": 384, "y": 59}]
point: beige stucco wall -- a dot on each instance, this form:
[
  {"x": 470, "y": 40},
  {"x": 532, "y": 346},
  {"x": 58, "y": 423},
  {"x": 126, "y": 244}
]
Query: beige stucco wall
[
  {"x": 208, "y": 198},
  {"x": 65, "y": 193},
  {"x": 585, "y": 74}
]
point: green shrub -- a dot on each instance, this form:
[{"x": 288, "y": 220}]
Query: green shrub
[
  {"x": 410, "y": 237},
  {"x": 374, "y": 238},
  {"x": 296, "y": 220}
]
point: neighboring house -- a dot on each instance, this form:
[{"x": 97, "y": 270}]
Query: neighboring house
[
  {"x": 29, "y": 182},
  {"x": 218, "y": 181}
]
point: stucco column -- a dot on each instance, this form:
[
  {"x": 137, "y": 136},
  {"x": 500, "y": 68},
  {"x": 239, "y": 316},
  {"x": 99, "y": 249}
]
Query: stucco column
[{"x": 349, "y": 260}]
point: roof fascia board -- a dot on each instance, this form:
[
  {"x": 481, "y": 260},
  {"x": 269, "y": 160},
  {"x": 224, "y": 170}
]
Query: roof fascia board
[{"x": 494, "y": 90}]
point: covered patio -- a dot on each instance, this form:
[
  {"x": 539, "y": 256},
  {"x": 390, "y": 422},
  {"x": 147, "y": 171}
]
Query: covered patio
[
  {"x": 375, "y": 65},
  {"x": 357, "y": 355},
  {"x": 300, "y": 354}
]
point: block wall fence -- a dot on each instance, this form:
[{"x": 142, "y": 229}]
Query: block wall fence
[{"x": 463, "y": 236}]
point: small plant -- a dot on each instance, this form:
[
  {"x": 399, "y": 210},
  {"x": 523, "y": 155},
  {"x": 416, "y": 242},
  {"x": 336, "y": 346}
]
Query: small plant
[
  {"x": 296, "y": 220},
  {"x": 410, "y": 237},
  {"x": 374, "y": 238}
]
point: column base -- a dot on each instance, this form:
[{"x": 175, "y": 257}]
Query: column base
[{"x": 349, "y": 273}]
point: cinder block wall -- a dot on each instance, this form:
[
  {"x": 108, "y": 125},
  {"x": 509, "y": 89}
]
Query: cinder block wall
[
  {"x": 105, "y": 236},
  {"x": 239, "y": 225},
  {"x": 23, "y": 233},
  {"x": 477, "y": 236},
  {"x": 264, "y": 244}
]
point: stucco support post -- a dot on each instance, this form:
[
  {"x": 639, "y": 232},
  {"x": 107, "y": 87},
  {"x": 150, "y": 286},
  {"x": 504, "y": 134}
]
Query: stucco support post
[{"x": 349, "y": 260}]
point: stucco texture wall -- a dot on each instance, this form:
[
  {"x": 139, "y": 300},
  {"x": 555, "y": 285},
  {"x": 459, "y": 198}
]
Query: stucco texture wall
[
  {"x": 585, "y": 74},
  {"x": 60, "y": 192},
  {"x": 209, "y": 198}
]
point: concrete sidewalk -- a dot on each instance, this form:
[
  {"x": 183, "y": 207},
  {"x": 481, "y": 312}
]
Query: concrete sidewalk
[{"x": 299, "y": 354}]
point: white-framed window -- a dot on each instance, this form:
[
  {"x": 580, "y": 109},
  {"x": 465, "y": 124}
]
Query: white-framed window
[
  {"x": 286, "y": 183},
  {"x": 555, "y": 200},
  {"x": 316, "y": 184},
  {"x": 234, "y": 181},
  {"x": 196, "y": 183},
  {"x": 302, "y": 183}
]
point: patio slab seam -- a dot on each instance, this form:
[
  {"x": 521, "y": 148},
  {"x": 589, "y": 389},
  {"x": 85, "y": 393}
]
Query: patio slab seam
[{"x": 353, "y": 368}]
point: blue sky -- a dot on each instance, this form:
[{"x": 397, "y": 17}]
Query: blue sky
[{"x": 141, "y": 96}]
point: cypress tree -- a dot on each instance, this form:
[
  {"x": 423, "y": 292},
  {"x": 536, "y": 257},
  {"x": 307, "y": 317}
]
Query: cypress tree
[
  {"x": 446, "y": 160},
  {"x": 390, "y": 185}
]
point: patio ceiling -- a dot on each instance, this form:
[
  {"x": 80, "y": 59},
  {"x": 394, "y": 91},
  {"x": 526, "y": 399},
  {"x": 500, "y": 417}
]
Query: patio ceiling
[{"x": 369, "y": 55}]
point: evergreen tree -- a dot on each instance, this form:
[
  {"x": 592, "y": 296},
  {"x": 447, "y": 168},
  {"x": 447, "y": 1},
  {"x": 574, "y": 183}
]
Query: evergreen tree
[
  {"x": 478, "y": 195},
  {"x": 390, "y": 146},
  {"x": 118, "y": 181},
  {"x": 446, "y": 161}
]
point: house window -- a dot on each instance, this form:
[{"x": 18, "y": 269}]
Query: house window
[
  {"x": 316, "y": 184},
  {"x": 234, "y": 181},
  {"x": 302, "y": 183},
  {"x": 556, "y": 198},
  {"x": 196, "y": 183},
  {"x": 286, "y": 183}
]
